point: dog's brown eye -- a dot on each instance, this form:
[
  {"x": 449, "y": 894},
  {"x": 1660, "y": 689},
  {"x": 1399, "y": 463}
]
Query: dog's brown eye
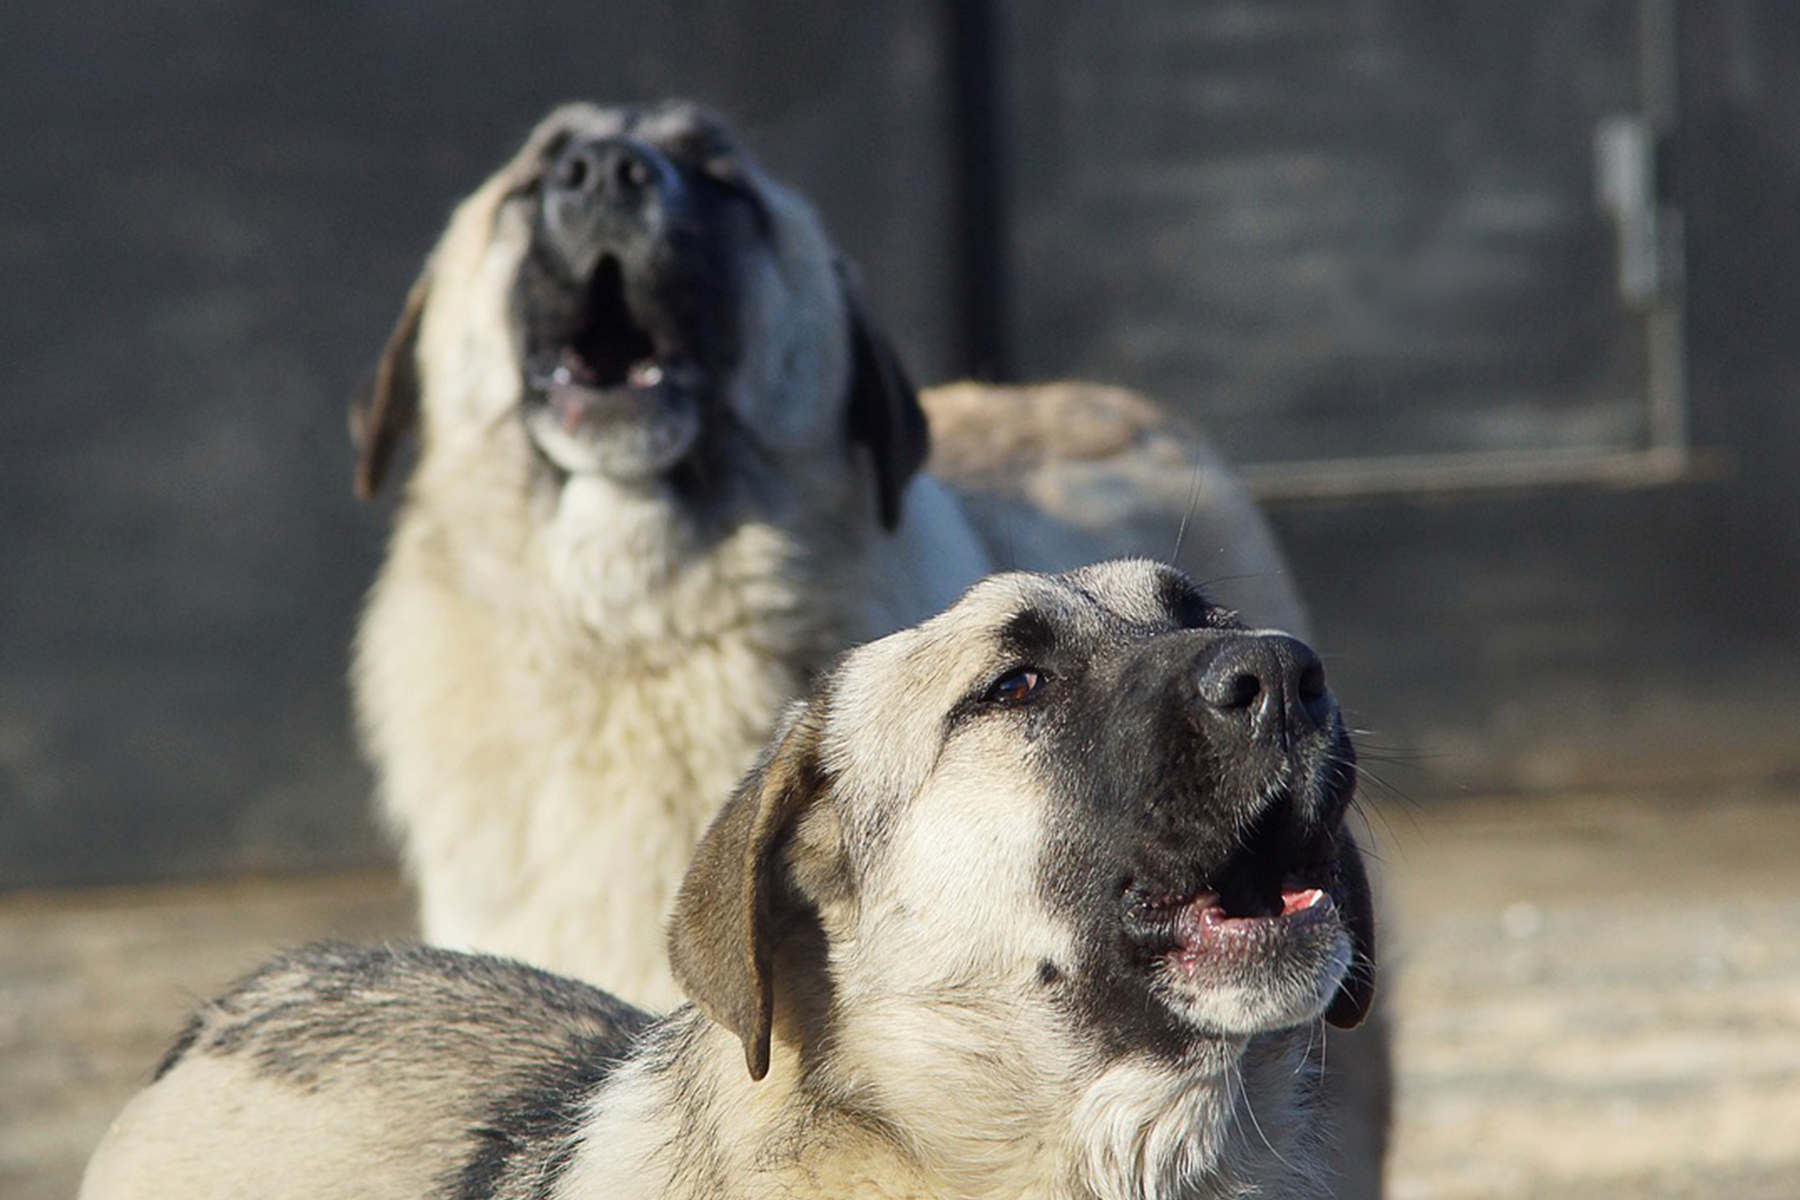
[{"x": 1015, "y": 686}]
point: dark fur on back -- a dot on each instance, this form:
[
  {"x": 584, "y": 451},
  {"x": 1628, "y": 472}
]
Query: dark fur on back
[{"x": 518, "y": 1050}]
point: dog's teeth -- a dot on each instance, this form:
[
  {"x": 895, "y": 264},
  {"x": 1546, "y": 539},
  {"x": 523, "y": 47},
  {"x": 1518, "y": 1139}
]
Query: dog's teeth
[
  {"x": 1300, "y": 899},
  {"x": 647, "y": 374}
]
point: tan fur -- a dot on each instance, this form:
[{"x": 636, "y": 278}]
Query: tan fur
[
  {"x": 557, "y": 686},
  {"x": 1057, "y": 474},
  {"x": 879, "y": 881}
]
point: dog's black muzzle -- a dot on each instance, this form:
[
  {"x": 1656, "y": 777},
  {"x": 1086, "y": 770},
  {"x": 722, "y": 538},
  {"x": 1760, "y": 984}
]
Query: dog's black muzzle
[
  {"x": 1266, "y": 688},
  {"x": 604, "y": 194},
  {"x": 1244, "y": 776},
  {"x": 1239, "y": 715},
  {"x": 1261, "y": 704}
]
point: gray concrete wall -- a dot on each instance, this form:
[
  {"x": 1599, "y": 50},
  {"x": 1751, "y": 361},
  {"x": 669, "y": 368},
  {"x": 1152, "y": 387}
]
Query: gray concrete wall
[{"x": 211, "y": 211}]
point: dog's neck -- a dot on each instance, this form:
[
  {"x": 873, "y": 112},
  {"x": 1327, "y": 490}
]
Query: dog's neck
[
  {"x": 684, "y": 1121},
  {"x": 575, "y": 677},
  {"x": 1234, "y": 1122},
  {"x": 630, "y": 575},
  {"x": 638, "y": 576}
]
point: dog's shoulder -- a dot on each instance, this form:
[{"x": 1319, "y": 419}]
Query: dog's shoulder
[
  {"x": 395, "y": 1074},
  {"x": 327, "y": 1008},
  {"x": 985, "y": 434},
  {"x": 1084, "y": 455},
  {"x": 456, "y": 1075},
  {"x": 1055, "y": 475}
]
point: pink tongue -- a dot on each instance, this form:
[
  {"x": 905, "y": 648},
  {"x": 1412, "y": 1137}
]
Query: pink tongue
[
  {"x": 1293, "y": 900},
  {"x": 1296, "y": 899}
]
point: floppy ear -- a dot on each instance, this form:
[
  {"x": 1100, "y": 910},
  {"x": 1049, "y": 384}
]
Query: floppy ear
[
  {"x": 1356, "y": 994},
  {"x": 725, "y": 928},
  {"x": 883, "y": 410},
  {"x": 381, "y": 418}
]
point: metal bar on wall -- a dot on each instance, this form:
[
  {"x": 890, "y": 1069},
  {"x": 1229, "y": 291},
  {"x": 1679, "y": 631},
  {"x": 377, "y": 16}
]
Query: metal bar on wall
[
  {"x": 1441, "y": 474},
  {"x": 979, "y": 233},
  {"x": 1659, "y": 99},
  {"x": 1628, "y": 146}
]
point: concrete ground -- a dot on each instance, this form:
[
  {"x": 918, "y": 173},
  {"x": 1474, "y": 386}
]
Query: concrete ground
[{"x": 1594, "y": 996}]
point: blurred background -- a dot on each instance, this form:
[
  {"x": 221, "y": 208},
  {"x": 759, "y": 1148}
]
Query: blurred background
[{"x": 1494, "y": 304}]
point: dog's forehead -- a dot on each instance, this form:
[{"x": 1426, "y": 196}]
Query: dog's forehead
[
  {"x": 676, "y": 127},
  {"x": 891, "y": 701},
  {"x": 1109, "y": 599},
  {"x": 578, "y": 119},
  {"x": 680, "y": 125},
  {"x": 1143, "y": 592},
  {"x": 993, "y": 620}
]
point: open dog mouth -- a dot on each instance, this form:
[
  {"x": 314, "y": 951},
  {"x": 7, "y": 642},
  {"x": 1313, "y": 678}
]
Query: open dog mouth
[
  {"x": 618, "y": 394},
  {"x": 1269, "y": 892},
  {"x": 1208, "y": 927}
]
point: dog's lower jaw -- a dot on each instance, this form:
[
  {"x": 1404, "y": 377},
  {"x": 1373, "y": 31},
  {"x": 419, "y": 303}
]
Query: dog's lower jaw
[{"x": 1298, "y": 995}]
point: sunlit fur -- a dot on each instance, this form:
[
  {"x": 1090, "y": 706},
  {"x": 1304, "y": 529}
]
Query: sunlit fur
[
  {"x": 558, "y": 684},
  {"x": 559, "y": 680},
  {"x": 915, "y": 1047}
]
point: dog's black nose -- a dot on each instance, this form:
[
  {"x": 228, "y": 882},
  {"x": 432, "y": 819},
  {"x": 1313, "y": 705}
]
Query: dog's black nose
[
  {"x": 1271, "y": 682},
  {"x": 614, "y": 169}
]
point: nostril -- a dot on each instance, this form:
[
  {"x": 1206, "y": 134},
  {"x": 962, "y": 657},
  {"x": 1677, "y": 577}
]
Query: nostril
[
  {"x": 630, "y": 172},
  {"x": 612, "y": 167},
  {"x": 1238, "y": 674},
  {"x": 1270, "y": 677},
  {"x": 1311, "y": 683},
  {"x": 1231, "y": 689},
  {"x": 576, "y": 170}
]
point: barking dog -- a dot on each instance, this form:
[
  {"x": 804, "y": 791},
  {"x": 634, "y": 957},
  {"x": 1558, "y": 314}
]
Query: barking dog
[
  {"x": 668, "y": 469},
  {"x": 1040, "y": 898}
]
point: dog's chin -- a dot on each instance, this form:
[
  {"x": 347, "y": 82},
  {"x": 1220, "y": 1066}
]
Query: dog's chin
[
  {"x": 634, "y": 433},
  {"x": 1245, "y": 975}
]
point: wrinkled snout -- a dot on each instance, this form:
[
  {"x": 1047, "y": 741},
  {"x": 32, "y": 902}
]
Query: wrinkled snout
[
  {"x": 598, "y": 190},
  {"x": 1246, "y": 721}
]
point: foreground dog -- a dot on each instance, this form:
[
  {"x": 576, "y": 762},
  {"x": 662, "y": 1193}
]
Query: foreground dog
[
  {"x": 668, "y": 470},
  {"x": 1040, "y": 898}
]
